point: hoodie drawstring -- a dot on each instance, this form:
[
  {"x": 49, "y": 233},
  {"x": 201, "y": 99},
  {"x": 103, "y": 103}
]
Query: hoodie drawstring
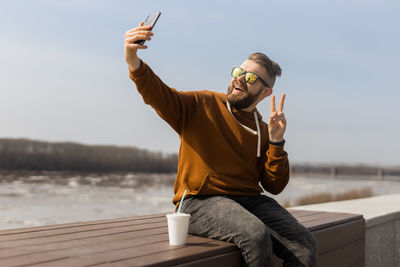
[
  {"x": 258, "y": 135},
  {"x": 249, "y": 129}
]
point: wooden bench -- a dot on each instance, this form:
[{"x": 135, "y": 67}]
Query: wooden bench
[{"x": 143, "y": 241}]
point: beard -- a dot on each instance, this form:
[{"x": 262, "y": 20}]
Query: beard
[{"x": 244, "y": 100}]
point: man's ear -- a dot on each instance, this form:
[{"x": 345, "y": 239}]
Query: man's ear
[{"x": 267, "y": 92}]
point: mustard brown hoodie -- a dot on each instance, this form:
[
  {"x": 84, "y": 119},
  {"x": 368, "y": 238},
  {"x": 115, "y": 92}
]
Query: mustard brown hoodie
[{"x": 217, "y": 155}]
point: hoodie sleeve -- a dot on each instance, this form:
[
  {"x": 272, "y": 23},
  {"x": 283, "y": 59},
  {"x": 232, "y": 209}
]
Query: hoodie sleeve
[
  {"x": 173, "y": 106},
  {"x": 276, "y": 175}
]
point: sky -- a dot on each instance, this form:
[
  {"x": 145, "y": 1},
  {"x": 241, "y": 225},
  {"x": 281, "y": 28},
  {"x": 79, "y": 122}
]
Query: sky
[{"x": 63, "y": 76}]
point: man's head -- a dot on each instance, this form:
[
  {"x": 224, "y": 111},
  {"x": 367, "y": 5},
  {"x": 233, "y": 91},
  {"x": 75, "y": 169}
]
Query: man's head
[{"x": 260, "y": 73}]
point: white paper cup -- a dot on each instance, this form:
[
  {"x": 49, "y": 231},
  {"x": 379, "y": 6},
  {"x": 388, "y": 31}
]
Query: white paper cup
[{"x": 178, "y": 226}]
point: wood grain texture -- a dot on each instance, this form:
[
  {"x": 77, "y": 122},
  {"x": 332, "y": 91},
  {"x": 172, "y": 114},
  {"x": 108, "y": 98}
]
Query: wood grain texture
[{"x": 143, "y": 241}]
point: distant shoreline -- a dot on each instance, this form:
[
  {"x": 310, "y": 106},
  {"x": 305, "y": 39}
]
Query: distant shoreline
[
  {"x": 25, "y": 155},
  {"x": 346, "y": 171},
  {"x": 103, "y": 179},
  {"x": 126, "y": 179}
]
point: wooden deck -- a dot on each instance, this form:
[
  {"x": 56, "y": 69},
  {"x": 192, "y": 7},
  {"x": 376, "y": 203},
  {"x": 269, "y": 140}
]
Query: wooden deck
[{"x": 143, "y": 241}]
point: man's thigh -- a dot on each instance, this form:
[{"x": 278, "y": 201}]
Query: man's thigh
[{"x": 222, "y": 218}]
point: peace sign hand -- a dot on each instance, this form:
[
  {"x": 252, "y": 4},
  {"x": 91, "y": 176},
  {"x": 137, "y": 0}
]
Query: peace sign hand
[{"x": 277, "y": 121}]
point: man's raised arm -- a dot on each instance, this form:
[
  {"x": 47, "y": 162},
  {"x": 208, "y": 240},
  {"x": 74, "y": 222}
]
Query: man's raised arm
[{"x": 173, "y": 106}]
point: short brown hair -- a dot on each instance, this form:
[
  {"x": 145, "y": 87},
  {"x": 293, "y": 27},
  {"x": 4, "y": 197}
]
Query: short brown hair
[{"x": 272, "y": 67}]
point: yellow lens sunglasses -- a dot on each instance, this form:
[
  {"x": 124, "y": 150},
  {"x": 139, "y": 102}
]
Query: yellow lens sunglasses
[{"x": 250, "y": 77}]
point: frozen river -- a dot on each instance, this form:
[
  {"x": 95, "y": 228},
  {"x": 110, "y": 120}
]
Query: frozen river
[{"x": 25, "y": 204}]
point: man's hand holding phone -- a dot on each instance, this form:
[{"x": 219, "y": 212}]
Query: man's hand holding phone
[
  {"x": 131, "y": 46},
  {"x": 135, "y": 39}
]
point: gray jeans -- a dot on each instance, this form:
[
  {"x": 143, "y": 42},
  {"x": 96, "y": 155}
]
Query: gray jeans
[{"x": 258, "y": 225}]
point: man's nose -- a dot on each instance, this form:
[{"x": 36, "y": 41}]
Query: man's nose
[{"x": 241, "y": 78}]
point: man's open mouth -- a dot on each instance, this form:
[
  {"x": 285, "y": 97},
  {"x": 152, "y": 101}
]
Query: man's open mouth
[{"x": 239, "y": 89}]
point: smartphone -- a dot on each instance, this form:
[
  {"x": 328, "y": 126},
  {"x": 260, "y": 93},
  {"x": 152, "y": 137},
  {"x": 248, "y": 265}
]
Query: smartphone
[{"x": 150, "y": 20}]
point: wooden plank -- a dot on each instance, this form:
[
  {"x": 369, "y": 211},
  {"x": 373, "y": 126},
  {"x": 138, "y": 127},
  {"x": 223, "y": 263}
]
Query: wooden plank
[
  {"x": 344, "y": 256},
  {"x": 359, "y": 264},
  {"x": 78, "y": 247},
  {"x": 338, "y": 235},
  {"x": 297, "y": 212},
  {"x": 79, "y": 235},
  {"x": 141, "y": 251},
  {"x": 203, "y": 253},
  {"x": 77, "y": 224},
  {"x": 144, "y": 240},
  {"x": 329, "y": 217},
  {"x": 82, "y": 228},
  {"x": 98, "y": 238},
  {"x": 322, "y": 215},
  {"x": 300, "y": 215},
  {"x": 310, "y": 215},
  {"x": 27, "y": 261},
  {"x": 114, "y": 264},
  {"x": 314, "y": 225},
  {"x": 318, "y": 220},
  {"x": 231, "y": 259}
]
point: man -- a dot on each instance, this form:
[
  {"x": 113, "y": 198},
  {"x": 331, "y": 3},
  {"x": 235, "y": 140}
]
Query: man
[{"x": 226, "y": 152}]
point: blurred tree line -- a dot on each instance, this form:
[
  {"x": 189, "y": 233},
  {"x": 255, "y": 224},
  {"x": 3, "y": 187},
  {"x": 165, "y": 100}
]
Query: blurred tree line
[
  {"x": 24, "y": 154},
  {"x": 342, "y": 169}
]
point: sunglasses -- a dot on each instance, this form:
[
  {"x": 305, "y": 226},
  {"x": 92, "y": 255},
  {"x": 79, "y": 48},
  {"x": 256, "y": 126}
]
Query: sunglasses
[{"x": 250, "y": 77}]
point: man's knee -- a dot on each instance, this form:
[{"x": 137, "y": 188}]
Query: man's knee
[
  {"x": 256, "y": 245},
  {"x": 259, "y": 236},
  {"x": 255, "y": 239}
]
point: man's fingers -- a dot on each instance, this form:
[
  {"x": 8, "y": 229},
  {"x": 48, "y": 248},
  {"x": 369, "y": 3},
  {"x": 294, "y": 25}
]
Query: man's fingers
[
  {"x": 273, "y": 107},
  {"x": 135, "y": 38},
  {"x": 136, "y": 46},
  {"x": 141, "y": 32},
  {"x": 282, "y": 102},
  {"x": 140, "y": 28},
  {"x": 272, "y": 117},
  {"x": 279, "y": 117}
]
